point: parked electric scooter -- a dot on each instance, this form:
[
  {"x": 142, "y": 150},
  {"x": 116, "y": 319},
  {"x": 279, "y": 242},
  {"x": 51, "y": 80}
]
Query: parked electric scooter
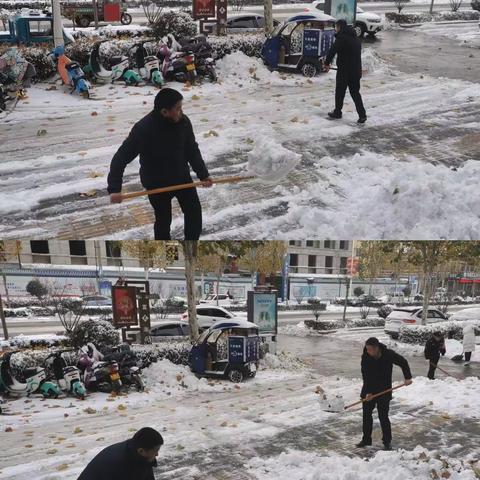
[
  {"x": 121, "y": 69},
  {"x": 147, "y": 64},
  {"x": 67, "y": 376},
  {"x": 129, "y": 369},
  {"x": 179, "y": 66},
  {"x": 71, "y": 73},
  {"x": 203, "y": 51},
  {"x": 99, "y": 375},
  {"x": 35, "y": 380}
]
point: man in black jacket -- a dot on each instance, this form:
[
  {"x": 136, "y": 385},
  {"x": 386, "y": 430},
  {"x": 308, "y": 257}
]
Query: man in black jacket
[
  {"x": 165, "y": 141},
  {"x": 377, "y": 365},
  {"x": 133, "y": 459},
  {"x": 434, "y": 347},
  {"x": 348, "y": 49}
]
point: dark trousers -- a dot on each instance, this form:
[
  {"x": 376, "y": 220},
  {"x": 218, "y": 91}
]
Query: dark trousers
[
  {"x": 383, "y": 405},
  {"x": 432, "y": 368},
  {"x": 353, "y": 85},
  {"x": 468, "y": 356},
  {"x": 191, "y": 208}
]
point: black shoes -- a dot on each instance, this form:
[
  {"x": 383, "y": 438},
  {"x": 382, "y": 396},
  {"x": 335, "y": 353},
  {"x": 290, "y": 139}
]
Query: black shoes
[
  {"x": 362, "y": 119},
  {"x": 387, "y": 447},
  {"x": 363, "y": 443},
  {"x": 334, "y": 114}
]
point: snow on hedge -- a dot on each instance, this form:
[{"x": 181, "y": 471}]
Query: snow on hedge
[{"x": 419, "y": 464}]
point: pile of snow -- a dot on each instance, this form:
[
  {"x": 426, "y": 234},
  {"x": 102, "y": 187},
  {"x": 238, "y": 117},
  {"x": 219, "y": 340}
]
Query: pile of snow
[
  {"x": 298, "y": 330},
  {"x": 372, "y": 63},
  {"x": 282, "y": 361},
  {"x": 420, "y": 464},
  {"x": 450, "y": 396},
  {"x": 270, "y": 161}
]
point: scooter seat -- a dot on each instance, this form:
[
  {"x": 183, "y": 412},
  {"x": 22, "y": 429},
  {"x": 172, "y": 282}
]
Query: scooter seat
[
  {"x": 31, "y": 371},
  {"x": 116, "y": 60}
]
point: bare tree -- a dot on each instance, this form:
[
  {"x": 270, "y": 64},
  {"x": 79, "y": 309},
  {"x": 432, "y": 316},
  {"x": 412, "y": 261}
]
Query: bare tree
[
  {"x": 190, "y": 252},
  {"x": 299, "y": 295},
  {"x": 238, "y": 5},
  {"x": 455, "y": 5},
  {"x": 68, "y": 310},
  {"x": 364, "y": 311},
  {"x": 153, "y": 10},
  {"x": 400, "y": 4}
]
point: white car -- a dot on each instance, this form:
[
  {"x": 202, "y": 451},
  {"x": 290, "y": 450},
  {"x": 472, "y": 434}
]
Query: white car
[
  {"x": 467, "y": 314},
  {"x": 223, "y": 300},
  {"x": 207, "y": 315},
  {"x": 405, "y": 317},
  {"x": 366, "y": 22},
  {"x": 244, "y": 22},
  {"x": 160, "y": 331}
]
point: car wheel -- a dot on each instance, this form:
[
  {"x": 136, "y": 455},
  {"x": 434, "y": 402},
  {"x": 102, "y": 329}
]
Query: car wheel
[
  {"x": 360, "y": 29},
  {"x": 83, "y": 22},
  {"x": 309, "y": 70},
  {"x": 235, "y": 376},
  {"x": 126, "y": 19}
]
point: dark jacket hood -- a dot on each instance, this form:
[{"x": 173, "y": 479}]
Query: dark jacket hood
[
  {"x": 348, "y": 30},
  {"x": 382, "y": 346}
]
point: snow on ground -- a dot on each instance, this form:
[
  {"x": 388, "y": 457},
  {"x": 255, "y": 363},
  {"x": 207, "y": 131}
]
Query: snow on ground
[
  {"x": 463, "y": 34},
  {"x": 351, "y": 181},
  {"x": 398, "y": 465}
]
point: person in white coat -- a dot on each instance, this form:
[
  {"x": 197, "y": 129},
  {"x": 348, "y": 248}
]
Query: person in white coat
[{"x": 468, "y": 342}]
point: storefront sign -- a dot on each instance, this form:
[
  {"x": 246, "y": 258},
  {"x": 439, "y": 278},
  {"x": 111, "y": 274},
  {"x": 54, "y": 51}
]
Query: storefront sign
[
  {"x": 342, "y": 10},
  {"x": 203, "y": 8}
]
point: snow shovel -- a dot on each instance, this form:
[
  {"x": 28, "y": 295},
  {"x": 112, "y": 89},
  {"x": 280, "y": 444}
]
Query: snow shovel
[
  {"x": 183, "y": 186},
  {"x": 339, "y": 405},
  {"x": 444, "y": 371}
]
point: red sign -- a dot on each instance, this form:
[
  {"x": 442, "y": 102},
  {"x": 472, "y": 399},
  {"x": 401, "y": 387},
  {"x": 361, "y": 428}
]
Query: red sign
[
  {"x": 203, "y": 8},
  {"x": 469, "y": 280},
  {"x": 124, "y": 301},
  {"x": 352, "y": 265}
]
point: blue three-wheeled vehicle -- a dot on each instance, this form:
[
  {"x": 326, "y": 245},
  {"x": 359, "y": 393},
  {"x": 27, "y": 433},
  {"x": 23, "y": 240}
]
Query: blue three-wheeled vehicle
[
  {"x": 228, "y": 349},
  {"x": 300, "y": 43}
]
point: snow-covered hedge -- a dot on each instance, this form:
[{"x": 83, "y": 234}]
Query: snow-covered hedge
[
  {"x": 249, "y": 44},
  {"x": 419, "y": 334},
  {"x": 176, "y": 351},
  {"x": 366, "y": 322},
  {"x": 384, "y": 311},
  {"x": 25, "y": 341},
  {"x": 326, "y": 325},
  {"x": 17, "y": 312},
  {"x": 178, "y": 23},
  {"x": 475, "y": 5},
  {"x": 100, "y": 332},
  {"x": 410, "y": 17}
]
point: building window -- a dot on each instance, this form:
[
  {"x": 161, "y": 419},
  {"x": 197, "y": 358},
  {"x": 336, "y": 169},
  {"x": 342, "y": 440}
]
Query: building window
[
  {"x": 40, "y": 251},
  {"x": 312, "y": 264},
  {"x": 294, "y": 263},
  {"x": 295, "y": 243},
  {"x": 343, "y": 265},
  {"x": 309, "y": 243},
  {"x": 329, "y": 265},
  {"x": 114, "y": 253},
  {"x": 343, "y": 244},
  {"x": 78, "y": 252},
  {"x": 329, "y": 244}
]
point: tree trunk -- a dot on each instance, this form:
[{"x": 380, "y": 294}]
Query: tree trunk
[
  {"x": 268, "y": 13},
  {"x": 2, "y": 318},
  {"x": 349, "y": 281},
  {"x": 4, "y": 277},
  {"x": 431, "y": 6},
  {"x": 218, "y": 285},
  {"x": 426, "y": 297},
  {"x": 190, "y": 251},
  {"x": 95, "y": 13}
]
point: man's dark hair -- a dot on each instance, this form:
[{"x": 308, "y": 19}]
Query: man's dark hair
[
  {"x": 373, "y": 341},
  {"x": 167, "y": 98},
  {"x": 147, "y": 438},
  {"x": 437, "y": 334},
  {"x": 341, "y": 23}
]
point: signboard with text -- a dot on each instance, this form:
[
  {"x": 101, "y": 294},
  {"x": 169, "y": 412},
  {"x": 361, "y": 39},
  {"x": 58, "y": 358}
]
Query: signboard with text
[
  {"x": 203, "y": 8},
  {"x": 262, "y": 310},
  {"x": 124, "y": 302},
  {"x": 342, "y": 10}
]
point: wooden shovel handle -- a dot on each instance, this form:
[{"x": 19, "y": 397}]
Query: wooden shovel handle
[
  {"x": 444, "y": 371},
  {"x": 376, "y": 395},
  {"x": 183, "y": 186}
]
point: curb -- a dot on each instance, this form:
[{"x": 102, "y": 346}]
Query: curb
[{"x": 450, "y": 22}]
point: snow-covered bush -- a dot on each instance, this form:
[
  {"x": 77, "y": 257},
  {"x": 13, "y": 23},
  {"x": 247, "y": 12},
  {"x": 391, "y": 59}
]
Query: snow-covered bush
[
  {"x": 172, "y": 350},
  {"x": 410, "y": 17},
  {"x": 37, "y": 289},
  {"x": 475, "y": 5},
  {"x": 419, "y": 334},
  {"x": 38, "y": 57},
  {"x": 178, "y": 23},
  {"x": 324, "y": 324},
  {"x": 16, "y": 312},
  {"x": 24, "y": 341},
  {"x": 366, "y": 322},
  {"x": 100, "y": 332},
  {"x": 249, "y": 44},
  {"x": 384, "y": 311}
]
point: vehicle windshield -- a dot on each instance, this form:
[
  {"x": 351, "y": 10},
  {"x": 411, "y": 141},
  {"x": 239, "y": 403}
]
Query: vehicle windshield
[{"x": 202, "y": 337}]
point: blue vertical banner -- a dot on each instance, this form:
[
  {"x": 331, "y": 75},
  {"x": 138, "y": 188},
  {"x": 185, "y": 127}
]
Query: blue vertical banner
[
  {"x": 328, "y": 37},
  {"x": 285, "y": 273},
  {"x": 311, "y": 42}
]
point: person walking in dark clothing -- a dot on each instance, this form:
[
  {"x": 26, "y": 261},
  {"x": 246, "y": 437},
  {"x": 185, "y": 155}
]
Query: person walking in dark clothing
[
  {"x": 434, "y": 347},
  {"x": 165, "y": 141},
  {"x": 132, "y": 459},
  {"x": 348, "y": 49},
  {"x": 377, "y": 366}
]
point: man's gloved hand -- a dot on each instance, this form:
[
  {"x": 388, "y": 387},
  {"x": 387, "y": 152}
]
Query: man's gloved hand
[
  {"x": 326, "y": 68},
  {"x": 368, "y": 397},
  {"x": 409, "y": 381},
  {"x": 116, "y": 198},
  {"x": 207, "y": 182}
]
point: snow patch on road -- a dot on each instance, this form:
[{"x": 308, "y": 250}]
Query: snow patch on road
[{"x": 398, "y": 465}]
